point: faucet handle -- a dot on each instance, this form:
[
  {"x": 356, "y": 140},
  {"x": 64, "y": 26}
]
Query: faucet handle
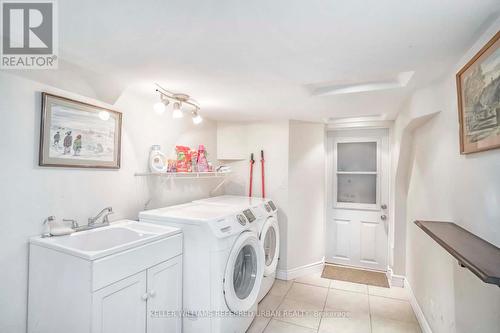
[
  {"x": 105, "y": 218},
  {"x": 49, "y": 219},
  {"x": 47, "y": 228}
]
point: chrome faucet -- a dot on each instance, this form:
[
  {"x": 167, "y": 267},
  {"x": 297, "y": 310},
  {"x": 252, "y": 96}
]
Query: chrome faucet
[{"x": 104, "y": 214}]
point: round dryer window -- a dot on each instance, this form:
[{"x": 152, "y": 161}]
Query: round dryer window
[
  {"x": 244, "y": 272},
  {"x": 270, "y": 246},
  {"x": 270, "y": 239}
]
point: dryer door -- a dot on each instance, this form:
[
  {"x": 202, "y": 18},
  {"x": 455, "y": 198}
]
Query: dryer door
[
  {"x": 244, "y": 271},
  {"x": 270, "y": 240}
]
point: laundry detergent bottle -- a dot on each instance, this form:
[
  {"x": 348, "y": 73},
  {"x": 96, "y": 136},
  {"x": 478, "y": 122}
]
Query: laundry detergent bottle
[
  {"x": 157, "y": 161},
  {"x": 202, "y": 162}
]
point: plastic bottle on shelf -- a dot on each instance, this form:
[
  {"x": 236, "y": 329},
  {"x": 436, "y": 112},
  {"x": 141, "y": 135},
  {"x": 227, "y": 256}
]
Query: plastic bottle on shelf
[
  {"x": 157, "y": 160},
  {"x": 202, "y": 162}
]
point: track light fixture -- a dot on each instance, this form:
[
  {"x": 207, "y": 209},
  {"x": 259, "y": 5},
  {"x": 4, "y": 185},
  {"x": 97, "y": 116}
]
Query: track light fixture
[
  {"x": 179, "y": 100},
  {"x": 161, "y": 106},
  {"x": 177, "y": 112},
  {"x": 197, "y": 119}
]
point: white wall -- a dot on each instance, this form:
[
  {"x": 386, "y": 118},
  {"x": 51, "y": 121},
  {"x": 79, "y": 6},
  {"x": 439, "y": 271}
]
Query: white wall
[
  {"x": 294, "y": 169},
  {"x": 419, "y": 109},
  {"x": 272, "y": 137},
  {"x": 306, "y": 198},
  {"x": 447, "y": 186},
  {"x": 30, "y": 193}
]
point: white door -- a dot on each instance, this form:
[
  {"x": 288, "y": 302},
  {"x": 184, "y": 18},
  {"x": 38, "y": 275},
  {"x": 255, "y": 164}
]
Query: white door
[
  {"x": 165, "y": 297},
  {"x": 121, "y": 307},
  {"x": 358, "y": 192}
]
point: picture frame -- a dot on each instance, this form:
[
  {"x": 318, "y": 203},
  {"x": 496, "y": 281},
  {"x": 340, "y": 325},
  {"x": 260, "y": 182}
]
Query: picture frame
[
  {"x": 75, "y": 134},
  {"x": 478, "y": 110}
]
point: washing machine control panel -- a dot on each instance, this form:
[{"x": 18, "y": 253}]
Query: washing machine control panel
[
  {"x": 249, "y": 215},
  {"x": 241, "y": 219},
  {"x": 271, "y": 205}
]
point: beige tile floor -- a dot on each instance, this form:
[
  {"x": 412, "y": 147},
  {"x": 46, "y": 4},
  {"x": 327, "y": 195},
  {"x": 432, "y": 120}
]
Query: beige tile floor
[{"x": 355, "y": 308}]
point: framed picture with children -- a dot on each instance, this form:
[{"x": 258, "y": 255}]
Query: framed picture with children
[{"x": 79, "y": 135}]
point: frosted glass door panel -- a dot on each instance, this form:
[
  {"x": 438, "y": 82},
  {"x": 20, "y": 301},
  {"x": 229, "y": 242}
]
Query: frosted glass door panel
[
  {"x": 357, "y": 157},
  {"x": 360, "y": 189}
]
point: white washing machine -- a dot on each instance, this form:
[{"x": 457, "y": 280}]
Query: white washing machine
[
  {"x": 223, "y": 265},
  {"x": 268, "y": 230}
]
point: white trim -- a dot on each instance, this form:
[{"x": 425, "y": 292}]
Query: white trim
[
  {"x": 358, "y": 124},
  {"x": 424, "y": 324},
  {"x": 394, "y": 279},
  {"x": 294, "y": 273}
]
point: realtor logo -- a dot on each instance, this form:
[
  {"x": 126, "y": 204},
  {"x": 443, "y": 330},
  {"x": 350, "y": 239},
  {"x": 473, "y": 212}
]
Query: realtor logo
[{"x": 29, "y": 38}]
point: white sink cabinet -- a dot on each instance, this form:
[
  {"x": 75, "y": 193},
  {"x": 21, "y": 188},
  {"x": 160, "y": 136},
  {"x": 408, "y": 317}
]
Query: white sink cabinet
[{"x": 136, "y": 290}]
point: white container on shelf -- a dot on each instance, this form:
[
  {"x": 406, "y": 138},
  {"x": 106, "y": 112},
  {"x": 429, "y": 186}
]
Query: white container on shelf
[{"x": 157, "y": 160}]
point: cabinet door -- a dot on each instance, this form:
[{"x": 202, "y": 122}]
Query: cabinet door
[
  {"x": 165, "y": 297},
  {"x": 121, "y": 307}
]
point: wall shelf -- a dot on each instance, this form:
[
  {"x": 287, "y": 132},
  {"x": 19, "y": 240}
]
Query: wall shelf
[
  {"x": 185, "y": 175},
  {"x": 474, "y": 253}
]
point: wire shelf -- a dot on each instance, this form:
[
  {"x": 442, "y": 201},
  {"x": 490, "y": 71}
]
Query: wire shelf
[{"x": 184, "y": 175}]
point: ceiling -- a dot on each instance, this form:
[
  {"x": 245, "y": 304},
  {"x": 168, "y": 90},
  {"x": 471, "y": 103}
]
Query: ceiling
[{"x": 254, "y": 60}]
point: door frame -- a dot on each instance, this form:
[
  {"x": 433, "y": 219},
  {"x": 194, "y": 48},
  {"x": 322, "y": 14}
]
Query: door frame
[{"x": 330, "y": 160}]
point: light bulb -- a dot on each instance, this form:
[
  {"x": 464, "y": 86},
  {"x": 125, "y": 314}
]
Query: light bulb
[
  {"x": 177, "y": 113},
  {"x": 159, "y": 107},
  {"x": 104, "y": 115},
  {"x": 197, "y": 119}
]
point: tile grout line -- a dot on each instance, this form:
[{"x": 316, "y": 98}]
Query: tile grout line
[
  {"x": 324, "y": 306},
  {"x": 281, "y": 302},
  {"x": 295, "y": 324},
  {"x": 369, "y": 310}
]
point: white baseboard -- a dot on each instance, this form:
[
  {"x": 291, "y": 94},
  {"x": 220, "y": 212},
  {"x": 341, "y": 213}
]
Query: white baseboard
[
  {"x": 294, "y": 273},
  {"x": 424, "y": 324},
  {"x": 395, "y": 280}
]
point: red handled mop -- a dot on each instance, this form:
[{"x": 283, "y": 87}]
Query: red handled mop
[
  {"x": 252, "y": 161},
  {"x": 263, "y": 176}
]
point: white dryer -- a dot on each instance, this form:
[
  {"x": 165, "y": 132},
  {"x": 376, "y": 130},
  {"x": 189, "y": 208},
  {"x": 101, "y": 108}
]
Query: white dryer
[
  {"x": 222, "y": 265},
  {"x": 268, "y": 231}
]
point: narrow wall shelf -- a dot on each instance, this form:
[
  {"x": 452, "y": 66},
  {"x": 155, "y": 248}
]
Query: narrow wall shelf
[
  {"x": 474, "y": 253},
  {"x": 184, "y": 175}
]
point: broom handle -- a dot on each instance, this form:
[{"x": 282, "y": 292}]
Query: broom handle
[{"x": 251, "y": 175}]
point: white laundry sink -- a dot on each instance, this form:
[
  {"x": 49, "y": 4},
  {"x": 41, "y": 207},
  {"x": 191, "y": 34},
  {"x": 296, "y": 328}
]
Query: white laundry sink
[{"x": 100, "y": 242}]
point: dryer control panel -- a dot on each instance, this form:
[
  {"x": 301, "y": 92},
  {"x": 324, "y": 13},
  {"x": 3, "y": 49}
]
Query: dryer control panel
[
  {"x": 270, "y": 206},
  {"x": 249, "y": 215},
  {"x": 241, "y": 219}
]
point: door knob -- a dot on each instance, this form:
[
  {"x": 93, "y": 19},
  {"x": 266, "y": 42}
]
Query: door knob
[
  {"x": 383, "y": 217},
  {"x": 383, "y": 206},
  {"x": 145, "y": 297},
  {"x": 152, "y": 293}
]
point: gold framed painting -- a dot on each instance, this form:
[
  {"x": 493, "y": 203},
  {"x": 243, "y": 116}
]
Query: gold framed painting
[
  {"x": 478, "y": 87},
  {"x": 78, "y": 135}
]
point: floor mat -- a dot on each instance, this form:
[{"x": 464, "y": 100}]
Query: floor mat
[{"x": 343, "y": 273}]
